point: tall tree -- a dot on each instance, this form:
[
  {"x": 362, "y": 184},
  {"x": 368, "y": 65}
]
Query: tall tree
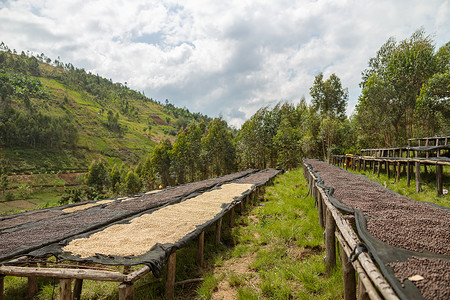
[
  {"x": 161, "y": 161},
  {"x": 330, "y": 99},
  {"x": 218, "y": 148},
  {"x": 390, "y": 87}
]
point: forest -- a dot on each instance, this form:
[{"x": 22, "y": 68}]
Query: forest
[{"x": 405, "y": 93}]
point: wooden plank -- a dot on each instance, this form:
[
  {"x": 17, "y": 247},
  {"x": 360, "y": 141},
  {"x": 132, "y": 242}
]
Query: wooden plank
[
  {"x": 126, "y": 291},
  {"x": 62, "y": 273},
  {"x": 32, "y": 287},
  {"x": 201, "y": 244},
  {"x": 330, "y": 244},
  {"x": 65, "y": 289},
  {"x": 77, "y": 288},
  {"x": 218, "y": 231},
  {"x": 170, "y": 278}
]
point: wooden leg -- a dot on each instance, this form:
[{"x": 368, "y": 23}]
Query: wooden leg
[
  {"x": 348, "y": 276},
  {"x": 398, "y": 171},
  {"x": 378, "y": 170},
  {"x": 32, "y": 287},
  {"x": 170, "y": 279},
  {"x": 126, "y": 291},
  {"x": 388, "y": 170},
  {"x": 418, "y": 187},
  {"x": 232, "y": 217},
  {"x": 439, "y": 171},
  {"x": 201, "y": 244},
  {"x": 218, "y": 231},
  {"x": 65, "y": 289},
  {"x": 362, "y": 293},
  {"x": 319, "y": 208},
  {"x": 408, "y": 173},
  {"x": 77, "y": 288},
  {"x": 2, "y": 287},
  {"x": 330, "y": 243}
]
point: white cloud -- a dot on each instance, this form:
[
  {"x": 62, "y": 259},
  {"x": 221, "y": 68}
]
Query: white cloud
[{"x": 219, "y": 57}]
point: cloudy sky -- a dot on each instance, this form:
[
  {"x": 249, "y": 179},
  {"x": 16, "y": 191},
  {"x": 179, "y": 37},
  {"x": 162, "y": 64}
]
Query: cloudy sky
[{"x": 224, "y": 58}]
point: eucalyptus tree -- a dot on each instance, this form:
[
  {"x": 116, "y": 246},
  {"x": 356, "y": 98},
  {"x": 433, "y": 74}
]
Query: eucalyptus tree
[{"x": 329, "y": 98}]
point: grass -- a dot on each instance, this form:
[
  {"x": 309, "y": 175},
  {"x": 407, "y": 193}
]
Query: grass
[
  {"x": 428, "y": 184},
  {"x": 280, "y": 245}
]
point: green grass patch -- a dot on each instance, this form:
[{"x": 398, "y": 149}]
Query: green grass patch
[{"x": 428, "y": 183}]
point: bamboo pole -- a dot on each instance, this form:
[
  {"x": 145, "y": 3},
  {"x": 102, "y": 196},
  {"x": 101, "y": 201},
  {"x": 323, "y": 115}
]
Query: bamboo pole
[
  {"x": 170, "y": 278},
  {"x": 62, "y": 273},
  {"x": 136, "y": 275}
]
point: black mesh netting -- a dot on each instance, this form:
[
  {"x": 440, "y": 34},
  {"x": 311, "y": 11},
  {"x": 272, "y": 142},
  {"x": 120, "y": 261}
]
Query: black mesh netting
[
  {"x": 48, "y": 235},
  {"x": 398, "y": 231},
  {"x": 24, "y": 232}
]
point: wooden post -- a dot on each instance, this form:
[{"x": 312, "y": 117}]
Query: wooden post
[
  {"x": 324, "y": 211},
  {"x": 379, "y": 167},
  {"x": 65, "y": 289},
  {"x": 32, "y": 287},
  {"x": 330, "y": 251},
  {"x": 2, "y": 287},
  {"x": 408, "y": 173},
  {"x": 201, "y": 243},
  {"x": 348, "y": 277},
  {"x": 170, "y": 278},
  {"x": 218, "y": 231},
  {"x": 373, "y": 166},
  {"x": 77, "y": 288},
  {"x": 418, "y": 188},
  {"x": 359, "y": 164},
  {"x": 362, "y": 293},
  {"x": 439, "y": 171},
  {"x": 398, "y": 171},
  {"x": 319, "y": 208},
  {"x": 364, "y": 165},
  {"x": 388, "y": 169},
  {"x": 246, "y": 200},
  {"x": 126, "y": 291},
  {"x": 231, "y": 216}
]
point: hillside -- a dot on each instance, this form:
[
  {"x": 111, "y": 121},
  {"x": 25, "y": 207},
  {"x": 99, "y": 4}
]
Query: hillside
[{"x": 55, "y": 117}]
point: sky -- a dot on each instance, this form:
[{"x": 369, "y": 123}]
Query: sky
[{"x": 220, "y": 58}]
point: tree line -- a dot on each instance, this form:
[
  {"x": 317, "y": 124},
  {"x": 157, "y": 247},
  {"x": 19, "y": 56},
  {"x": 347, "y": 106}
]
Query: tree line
[{"x": 405, "y": 93}]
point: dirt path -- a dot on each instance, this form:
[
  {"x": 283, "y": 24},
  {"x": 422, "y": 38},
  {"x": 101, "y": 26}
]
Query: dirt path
[{"x": 231, "y": 269}]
